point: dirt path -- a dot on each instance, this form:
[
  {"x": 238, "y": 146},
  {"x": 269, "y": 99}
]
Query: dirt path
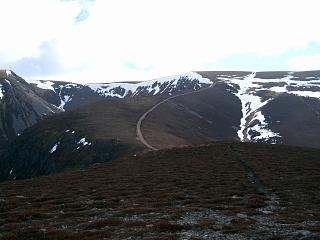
[{"x": 143, "y": 116}]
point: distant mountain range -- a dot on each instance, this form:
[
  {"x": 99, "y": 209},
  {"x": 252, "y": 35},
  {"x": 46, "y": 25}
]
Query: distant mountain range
[
  {"x": 66, "y": 95},
  {"x": 266, "y": 107}
]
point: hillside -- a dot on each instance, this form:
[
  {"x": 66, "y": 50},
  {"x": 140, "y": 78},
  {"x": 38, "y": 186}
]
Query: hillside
[
  {"x": 22, "y": 104},
  {"x": 20, "y": 107},
  {"x": 211, "y": 114},
  {"x": 275, "y": 107},
  {"x": 242, "y": 106},
  {"x": 65, "y": 95},
  {"x": 217, "y": 191},
  {"x": 268, "y": 101},
  {"x": 76, "y": 139}
]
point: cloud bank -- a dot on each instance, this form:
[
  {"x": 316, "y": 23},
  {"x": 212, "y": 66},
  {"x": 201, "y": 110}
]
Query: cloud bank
[{"x": 124, "y": 40}]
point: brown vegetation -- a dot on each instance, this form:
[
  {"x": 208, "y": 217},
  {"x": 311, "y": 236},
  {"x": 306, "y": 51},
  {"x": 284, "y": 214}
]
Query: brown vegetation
[{"x": 190, "y": 193}]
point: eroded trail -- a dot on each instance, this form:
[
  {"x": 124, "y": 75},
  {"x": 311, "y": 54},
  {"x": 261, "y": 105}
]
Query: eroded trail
[{"x": 143, "y": 116}]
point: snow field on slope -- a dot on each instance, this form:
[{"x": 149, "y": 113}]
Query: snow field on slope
[
  {"x": 44, "y": 84},
  {"x": 249, "y": 86},
  {"x": 1, "y": 91}
]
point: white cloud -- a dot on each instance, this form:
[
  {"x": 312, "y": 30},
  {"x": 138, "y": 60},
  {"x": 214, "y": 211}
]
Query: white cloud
[
  {"x": 172, "y": 36},
  {"x": 303, "y": 63},
  {"x": 26, "y": 25}
]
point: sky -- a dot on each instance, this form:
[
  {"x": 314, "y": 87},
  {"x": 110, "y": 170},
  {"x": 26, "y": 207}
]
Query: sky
[{"x": 134, "y": 40}]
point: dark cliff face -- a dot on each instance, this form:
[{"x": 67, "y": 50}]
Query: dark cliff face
[{"x": 20, "y": 106}]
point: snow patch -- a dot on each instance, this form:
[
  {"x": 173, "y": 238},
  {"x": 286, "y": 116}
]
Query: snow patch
[
  {"x": 7, "y": 81},
  {"x": 8, "y": 72},
  {"x": 306, "y": 94},
  {"x": 261, "y": 128},
  {"x": 63, "y": 101},
  {"x": 250, "y": 102},
  {"x": 64, "y": 98},
  {"x": 44, "y": 84},
  {"x": 279, "y": 89},
  {"x": 247, "y": 90},
  {"x": 54, "y": 148},
  {"x": 83, "y": 142},
  {"x": 71, "y": 85},
  {"x": 1, "y": 91}
]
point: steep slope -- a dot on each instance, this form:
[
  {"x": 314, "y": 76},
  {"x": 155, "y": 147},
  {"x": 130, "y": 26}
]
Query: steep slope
[
  {"x": 296, "y": 119},
  {"x": 65, "y": 95},
  {"x": 260, "y": 94},
  {"x": 209, "y": 115},
  {"x": 20, "y": 106},
  {"x": 218, "y": 191},
  {"x": 76, "y": 139}
]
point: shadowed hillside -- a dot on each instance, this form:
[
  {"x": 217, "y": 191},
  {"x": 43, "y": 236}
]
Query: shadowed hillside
[
  {"x": 99, "y": 132},
  {"x": 212, "y": 114},
  {"x": 20, "y": 107}
]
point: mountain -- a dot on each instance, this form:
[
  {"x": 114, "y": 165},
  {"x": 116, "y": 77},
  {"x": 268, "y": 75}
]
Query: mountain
[
  {"x": 26, "y": 103},
  {"x": 189, "y": 109},
  {"x": 269, "y": 101},
  {"x": 76, "y": 139},
  {"x": 222, "y": 190},
  {"x": 20, "y": 106},
  {"x": 277, "y": 107},
  {"x": 66, "y": 95}
]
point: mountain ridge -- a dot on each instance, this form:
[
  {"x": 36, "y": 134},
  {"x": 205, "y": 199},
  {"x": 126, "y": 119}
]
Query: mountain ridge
[{"x": 265, "y": 107}]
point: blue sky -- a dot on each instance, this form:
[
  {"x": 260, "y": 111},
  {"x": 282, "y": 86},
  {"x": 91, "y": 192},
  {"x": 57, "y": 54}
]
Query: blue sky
[{"x": 125, "y": 40}]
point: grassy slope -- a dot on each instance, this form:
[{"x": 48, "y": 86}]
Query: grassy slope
[
  {"x": 109, "y": 125},
  {"x": 191, "y": 193},
  {"x": 105, "y": 119},
  {"x": 296, "y": 118},
  {"x": 198, "y": 118}
]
